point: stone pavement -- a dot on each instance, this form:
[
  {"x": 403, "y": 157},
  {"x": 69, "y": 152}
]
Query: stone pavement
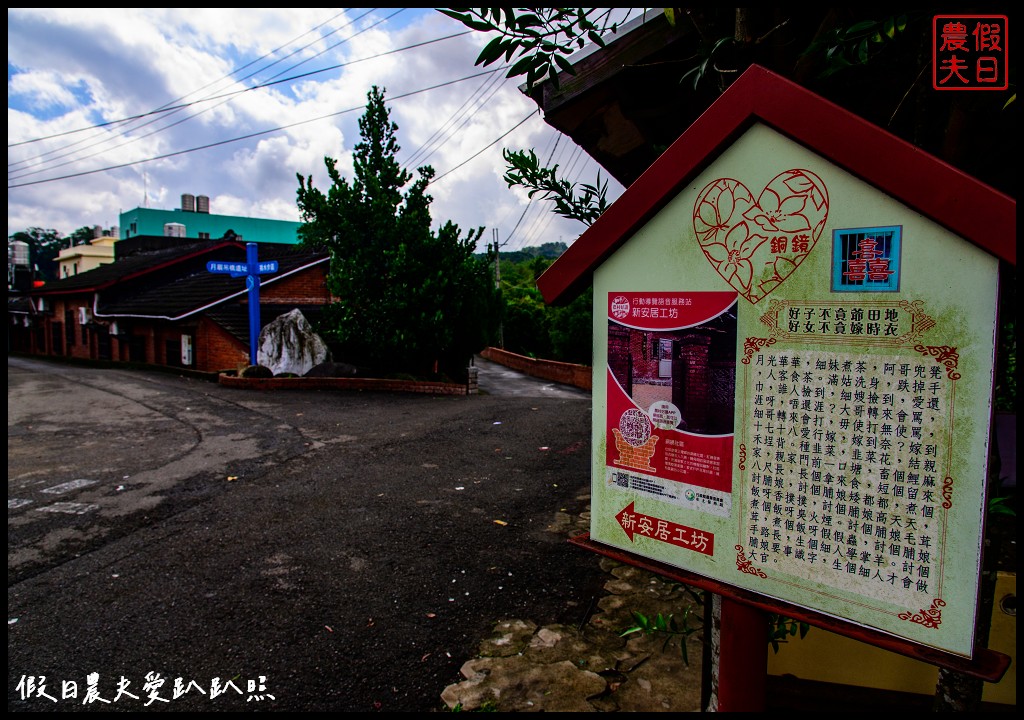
[{"x": 521, "y": 667}]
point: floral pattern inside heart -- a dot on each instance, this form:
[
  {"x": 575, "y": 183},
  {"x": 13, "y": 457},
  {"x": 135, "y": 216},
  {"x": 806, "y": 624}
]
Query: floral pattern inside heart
[{"x": 756, "y": 245}]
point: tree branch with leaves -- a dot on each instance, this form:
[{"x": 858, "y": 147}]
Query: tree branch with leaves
[
  {"x": 524, "y": 169},
  {"x": 540, "y": 38}
]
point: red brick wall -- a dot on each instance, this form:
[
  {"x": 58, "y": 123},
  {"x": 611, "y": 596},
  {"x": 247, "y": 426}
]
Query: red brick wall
[
  {"x": 618, "y": 355},
  {"x": 150, "y": 334},
  {"x": 217, "y": 350},
  {"x": 696, "y": 406},
  {"x": 305, "y": 288},
  {"x": 645, "y": 349},
  {"x": 567, "y": 373},
  {"x": 634, "y": 457},
  {"x": 78, "y": 349}
]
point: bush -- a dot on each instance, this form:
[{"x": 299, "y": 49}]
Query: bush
[{"x": 256, "y": 371}]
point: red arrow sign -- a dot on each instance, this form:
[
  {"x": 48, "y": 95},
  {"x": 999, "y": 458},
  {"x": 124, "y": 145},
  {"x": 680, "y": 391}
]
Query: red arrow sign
[{"x": 634, "y": 523}]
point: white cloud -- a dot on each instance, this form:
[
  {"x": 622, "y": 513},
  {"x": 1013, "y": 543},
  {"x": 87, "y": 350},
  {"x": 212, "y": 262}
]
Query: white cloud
[{"x": 71, "y": 69}]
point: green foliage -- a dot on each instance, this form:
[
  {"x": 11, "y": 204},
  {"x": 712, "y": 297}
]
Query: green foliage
[
  {"x": 407, "y": 298},
  {"x": 81, "y": 236},
  {"x": 485, "y": 706},
  {"x": 1003, "y": 505},
  {"x": 525, "y": 324},
  {"x": 571, "y": 328},
  {"x": 668, "y": 626},
  {"x": 540, "y": 38},
  {"x": 706, "y": 61},
  {"x": 781, "y": 628},
  {"x": 857, "y": 44},
  {"x": 525, "y": 169},
  {"x": 548, "y": 251},
  {"x": 530, "y": 326}
]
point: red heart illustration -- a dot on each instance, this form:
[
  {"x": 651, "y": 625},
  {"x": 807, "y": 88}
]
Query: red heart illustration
[{"x": 755, "y": 246}]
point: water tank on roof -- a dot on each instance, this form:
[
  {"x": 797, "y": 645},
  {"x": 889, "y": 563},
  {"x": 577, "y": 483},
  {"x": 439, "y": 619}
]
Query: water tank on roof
[
  {"x": 17, "y": 253},
  {"x": 203, "y": 203},
  {"x": 174, "y": 230},
  {"x": 188, "y": 202}
]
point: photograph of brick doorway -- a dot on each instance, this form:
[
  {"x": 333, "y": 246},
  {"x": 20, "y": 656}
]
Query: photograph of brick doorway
[{"x": 693, "y": 368}]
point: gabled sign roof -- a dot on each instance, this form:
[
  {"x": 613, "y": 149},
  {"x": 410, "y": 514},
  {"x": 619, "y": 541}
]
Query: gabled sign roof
[{"x": 940, "y": 192}]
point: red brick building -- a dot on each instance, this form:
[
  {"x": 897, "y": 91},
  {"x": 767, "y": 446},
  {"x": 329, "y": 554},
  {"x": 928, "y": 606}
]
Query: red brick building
[{"x": 164, "y": 307}]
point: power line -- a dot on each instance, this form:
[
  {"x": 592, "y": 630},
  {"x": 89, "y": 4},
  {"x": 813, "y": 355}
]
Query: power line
[
  {"x": 442, "y": 135},
  {"x": 166, "y": 107},
  {"x": 174, "y": 124},
  {"x": 228, "y": 95},
  {"x": 437, "y": 139},
  {"x": 267, "y": 132},
  {"x": 488, "y": 145}
]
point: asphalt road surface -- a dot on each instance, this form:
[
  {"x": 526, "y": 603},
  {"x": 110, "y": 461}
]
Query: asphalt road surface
[{"x": 176, "y": 545}]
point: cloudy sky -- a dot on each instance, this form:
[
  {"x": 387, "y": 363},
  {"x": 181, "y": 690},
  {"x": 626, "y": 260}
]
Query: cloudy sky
[{"x": 109, "y": 110}]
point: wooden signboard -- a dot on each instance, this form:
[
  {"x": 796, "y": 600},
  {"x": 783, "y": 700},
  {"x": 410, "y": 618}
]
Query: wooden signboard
[{"x": 793, "y": 369}]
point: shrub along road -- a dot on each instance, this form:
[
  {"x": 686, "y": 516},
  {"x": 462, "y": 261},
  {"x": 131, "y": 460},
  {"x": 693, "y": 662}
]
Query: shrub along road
[{"x": 319, "y": 550}]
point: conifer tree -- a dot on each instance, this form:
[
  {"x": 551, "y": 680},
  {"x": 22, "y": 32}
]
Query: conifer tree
[{"x": 409, "y": 299}]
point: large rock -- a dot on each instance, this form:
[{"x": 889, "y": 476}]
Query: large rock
[{"x": 289, "y": 345}]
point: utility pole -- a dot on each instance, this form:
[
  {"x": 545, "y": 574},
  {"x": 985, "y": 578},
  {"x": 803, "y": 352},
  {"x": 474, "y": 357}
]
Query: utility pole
[
  {"x": 497, "y": 284},
  {"x": 497, "y": 260}
]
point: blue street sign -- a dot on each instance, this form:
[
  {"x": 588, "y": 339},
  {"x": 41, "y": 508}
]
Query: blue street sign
[
  {"x": 238, "y": 269},
  {"x": 234, "y": 268},
  {"x": 251, "y": 270}
]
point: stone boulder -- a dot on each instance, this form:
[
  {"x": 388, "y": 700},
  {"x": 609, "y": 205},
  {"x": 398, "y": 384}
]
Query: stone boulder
[{"x": 290, "y": 345}]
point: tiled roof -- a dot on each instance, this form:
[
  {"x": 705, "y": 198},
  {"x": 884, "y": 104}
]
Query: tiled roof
[
  {"x": 110, "y": 273},
  {"x": 200, "y": 289}
]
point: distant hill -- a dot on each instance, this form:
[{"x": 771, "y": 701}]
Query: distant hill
[{"x": 549, "y": 250}]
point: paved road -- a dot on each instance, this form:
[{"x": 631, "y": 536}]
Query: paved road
[
  {"x": 350, "y": 549},
  {"x": 497, "y": 379}
]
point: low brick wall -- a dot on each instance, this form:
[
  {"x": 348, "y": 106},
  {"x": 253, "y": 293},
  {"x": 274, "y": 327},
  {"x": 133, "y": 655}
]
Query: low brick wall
[
  {"x": 380, "y": 385},
  {"x": 580, "y": 376}
]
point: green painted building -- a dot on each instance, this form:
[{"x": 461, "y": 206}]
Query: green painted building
[{"x": 194, "y": 220}]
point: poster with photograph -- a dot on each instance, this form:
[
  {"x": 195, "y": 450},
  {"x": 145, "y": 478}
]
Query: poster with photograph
[{"x": 671, "y": 392}]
